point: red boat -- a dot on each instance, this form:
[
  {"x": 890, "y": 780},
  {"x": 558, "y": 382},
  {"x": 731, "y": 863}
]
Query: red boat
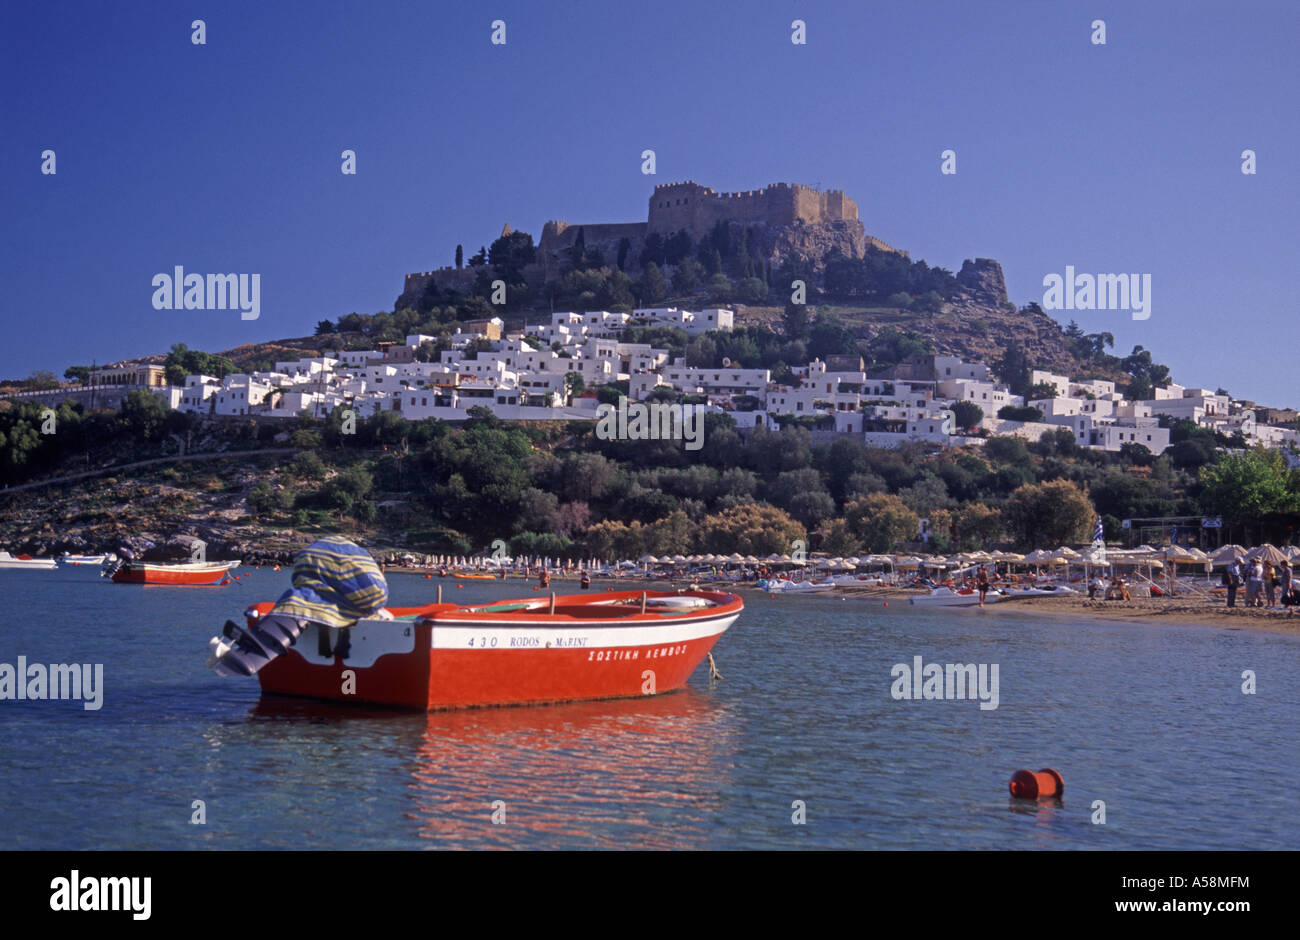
[
  {"x": 513, "y": 652},
  {"x": 144, "y": 572}
]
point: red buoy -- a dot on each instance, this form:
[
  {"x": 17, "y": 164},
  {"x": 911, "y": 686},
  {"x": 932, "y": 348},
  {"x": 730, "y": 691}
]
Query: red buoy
[{"x": 1046, "y": 784}]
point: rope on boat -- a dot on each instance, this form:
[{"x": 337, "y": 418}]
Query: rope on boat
[{"x": 713, "y": 668}]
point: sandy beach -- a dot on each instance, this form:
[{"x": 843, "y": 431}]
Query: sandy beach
[
  {"x": 1191, "y": 610},
  {"x": 1188, "y": 609}
]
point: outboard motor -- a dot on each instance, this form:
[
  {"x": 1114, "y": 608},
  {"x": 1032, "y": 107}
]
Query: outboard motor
[
  {"x": 242, "y": 652},
  {"x": 335, "y": 584}
]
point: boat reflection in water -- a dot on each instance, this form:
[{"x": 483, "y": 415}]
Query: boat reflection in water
[{"x": 630, "y": 773}]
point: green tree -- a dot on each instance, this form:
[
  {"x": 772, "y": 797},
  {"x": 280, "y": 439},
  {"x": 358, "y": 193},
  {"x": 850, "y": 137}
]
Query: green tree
[
  {"x": 751, "y": 290},
  {"x": 1020, "y": 413},
  {"x": 750, "y": 529},
  {"x": 145, "y": 415},
  {"x": 687, "y": 277},
  {"x": 1014, "y": 369},
  {"x": 720, "y": 288},
  {"x": 880, "y": 521},
  {"x": 1048, "y": 514},
  {"x": 837, "y": 539},
  {"x": 978, "y": 525},
  {"x": 1245, "y": 487},
  {"x": 510, "y": 253},
  {"x": 967, "y": 414},
  {"x": 41, "y": 380},
  {"x": 652, "y": 287}
]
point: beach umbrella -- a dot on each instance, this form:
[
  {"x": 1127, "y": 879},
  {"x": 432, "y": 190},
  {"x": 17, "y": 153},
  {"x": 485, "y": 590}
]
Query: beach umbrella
[
  {"x": 1292, "y": 552},
  {"x": 1266, "y": 553},
  {"x": 649, "y": 560},
  {"x": 1065, "y": 552},
  {"x": 1137, "y": 561},
  {"x": 749, "y": 560},
  {"x": 735, "y": 558},
  {"x": 1225, "y": 555}
]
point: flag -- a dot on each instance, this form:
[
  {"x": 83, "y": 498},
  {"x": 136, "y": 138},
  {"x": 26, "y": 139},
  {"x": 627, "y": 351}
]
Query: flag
[{"x": 1098, "y": 535}]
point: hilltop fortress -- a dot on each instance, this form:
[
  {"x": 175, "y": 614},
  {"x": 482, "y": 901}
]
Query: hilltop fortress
[
  {"x": 696, "y": 209},
  {"x": 784, "y": 220}
]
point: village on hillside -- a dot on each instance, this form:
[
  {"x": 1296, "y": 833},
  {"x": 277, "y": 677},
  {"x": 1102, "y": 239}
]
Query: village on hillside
[{"x": 565, "y": 369}]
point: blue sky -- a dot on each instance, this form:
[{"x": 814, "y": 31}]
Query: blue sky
[{"x": 226, "y": 157}]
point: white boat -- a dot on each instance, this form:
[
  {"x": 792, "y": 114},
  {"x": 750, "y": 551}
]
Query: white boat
[
  {"x": 947, "y": 597},
  {"x": 1041, "y": 590},
  {"x": 26, "y": 561},
  {"x": 859, "y": 580},
  {"x": 777, "y": 586},
  {"x": 84, "y": 559}
]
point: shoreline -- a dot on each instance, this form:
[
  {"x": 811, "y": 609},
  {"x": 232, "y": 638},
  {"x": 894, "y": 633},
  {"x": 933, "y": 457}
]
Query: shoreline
[{"x": 1185, "y": 610}]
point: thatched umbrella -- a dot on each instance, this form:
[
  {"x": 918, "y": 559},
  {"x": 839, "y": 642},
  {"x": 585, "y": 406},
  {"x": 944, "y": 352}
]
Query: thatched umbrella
[
  {"x": 1266, "y": 553},
  {"x": 1226, "y": 554}
]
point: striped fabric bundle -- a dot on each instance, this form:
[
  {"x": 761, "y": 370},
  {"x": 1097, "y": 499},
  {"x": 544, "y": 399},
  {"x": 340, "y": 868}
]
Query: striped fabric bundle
[{"x": 335, "y": 582}]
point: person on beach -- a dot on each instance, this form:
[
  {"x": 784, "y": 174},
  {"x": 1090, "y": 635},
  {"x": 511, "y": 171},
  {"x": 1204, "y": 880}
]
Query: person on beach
[
  {"x": 982, "y": 582},
  {"x": 1096, "y": 586},
  {"x": 1255, "y": 585},
  {"x": 586, "y": 581},
  {"x": 1234, "y": 581},
  {"x": 1270, "y": 584},
  {"x": 1286, "y": 581},
  {"x": 544, "y": 578}
]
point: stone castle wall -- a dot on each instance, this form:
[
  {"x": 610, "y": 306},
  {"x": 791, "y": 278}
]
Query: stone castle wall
[
  {"x": 697, "y": 208},
  {"x": 557, "y": 236},
  {"x": 800, "y": 220}
]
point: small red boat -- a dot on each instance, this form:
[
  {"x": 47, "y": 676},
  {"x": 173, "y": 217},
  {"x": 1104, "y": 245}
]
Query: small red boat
[
  {"x": 144, "y": 572},
  {"x": 512, "y": 652}
]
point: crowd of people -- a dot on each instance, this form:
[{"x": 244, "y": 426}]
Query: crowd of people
[{"x": 1267, "y": 585}]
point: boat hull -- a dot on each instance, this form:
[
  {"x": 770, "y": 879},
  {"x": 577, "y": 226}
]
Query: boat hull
[
  {"x": 40, "y": 564},
  {"x": 941, "y": 597},
  {"x": 445, "y": 659},
  {"x": 193, "y": 574},
  {"x": 84, "y": 559}
]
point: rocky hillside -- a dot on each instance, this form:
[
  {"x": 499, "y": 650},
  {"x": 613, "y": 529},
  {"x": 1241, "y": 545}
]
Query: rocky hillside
[{"x": 979, "y": 322}]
